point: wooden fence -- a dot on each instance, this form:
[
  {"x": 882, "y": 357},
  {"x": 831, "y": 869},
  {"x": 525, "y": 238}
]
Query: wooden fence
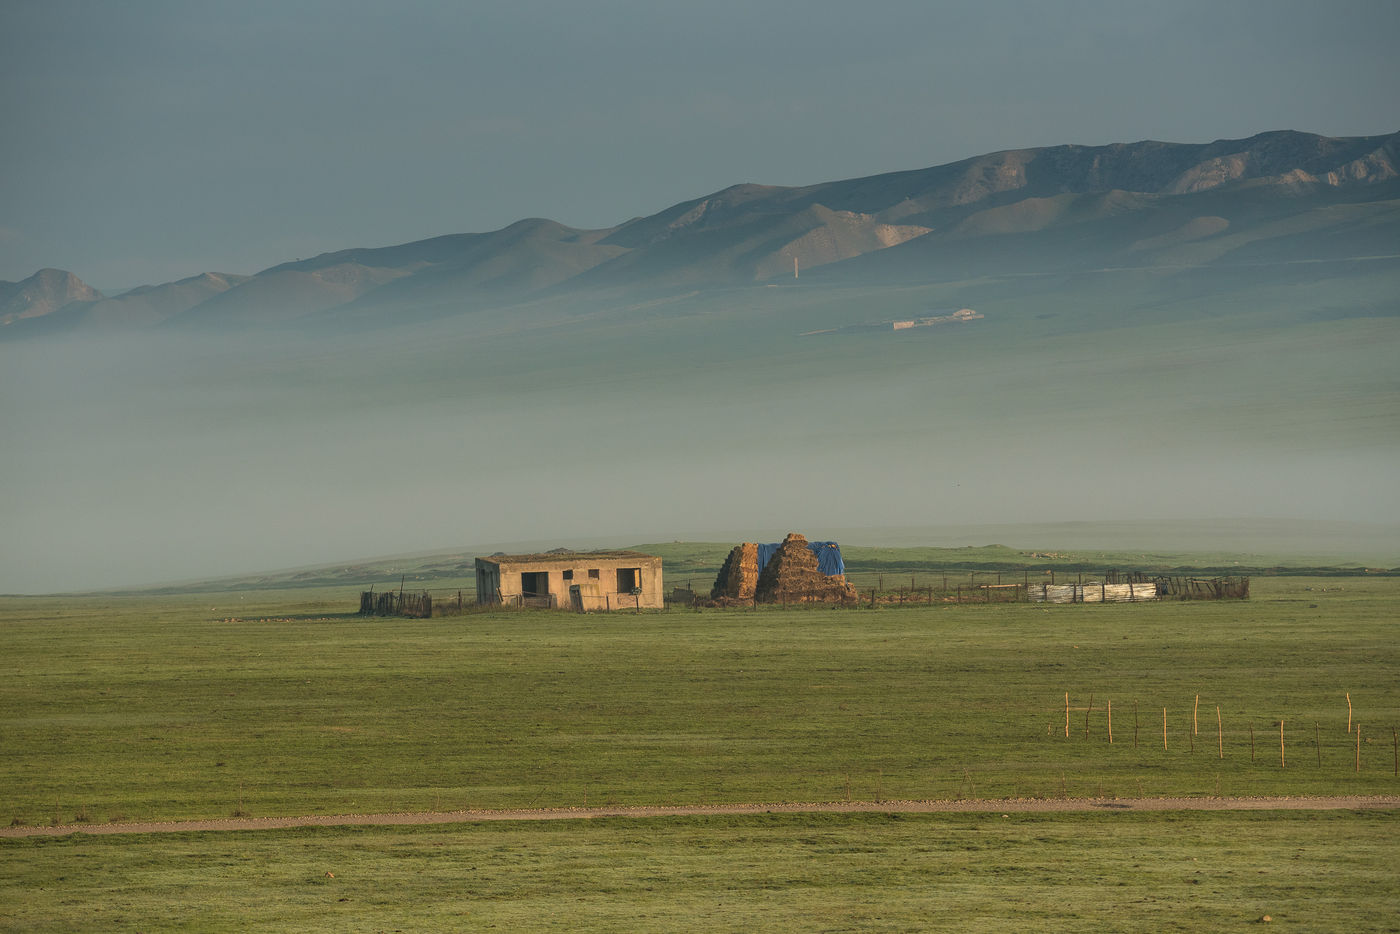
[
  {"x": 942, "y": 588},
  {"x": 396, "y": 603},
  {"x": 1196, "y": 588}
]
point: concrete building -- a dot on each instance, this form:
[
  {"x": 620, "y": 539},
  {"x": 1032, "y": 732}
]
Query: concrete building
[{"x": 583, "y": 581}]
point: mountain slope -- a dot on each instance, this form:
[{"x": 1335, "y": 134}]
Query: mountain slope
[
  {"x": 1254, "y": 223},
  {"x": 1275, "y": 197},
  {"x": 41, "y": 294},
  {"x": 140, "y": 307},
  {"x": 743, "y": 231},
  {"x": 524, "y": 257}
]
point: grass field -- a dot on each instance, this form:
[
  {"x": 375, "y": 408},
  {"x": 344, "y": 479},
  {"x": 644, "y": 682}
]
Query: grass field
[
  {"x": 157, "y": 707},
  {"x": 264, "y": 703},
  {"x": 1075, "y": 872}
]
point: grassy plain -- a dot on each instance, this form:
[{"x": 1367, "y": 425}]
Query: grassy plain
[
  {"x": 161, "y": 707},
  {"x": 950, "y": 872},
  {"x": 268, "y": 702}
]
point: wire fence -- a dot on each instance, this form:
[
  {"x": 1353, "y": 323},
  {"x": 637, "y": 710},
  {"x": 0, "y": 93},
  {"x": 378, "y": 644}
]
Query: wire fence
[{"x": 930, "y": 588}]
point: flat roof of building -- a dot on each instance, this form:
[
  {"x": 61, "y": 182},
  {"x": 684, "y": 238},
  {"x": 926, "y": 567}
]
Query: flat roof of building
[{"x": 572, "y": 557}]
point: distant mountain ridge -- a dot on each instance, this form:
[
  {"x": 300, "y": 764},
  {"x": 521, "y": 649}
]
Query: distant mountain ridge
[
  {"x": 1277, "y": 196},
  {"x": 43, "y": 293}
]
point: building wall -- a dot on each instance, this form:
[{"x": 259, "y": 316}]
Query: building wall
[
  {"x": 502, "y": 580},
  {"x": 488, "y": 582}
]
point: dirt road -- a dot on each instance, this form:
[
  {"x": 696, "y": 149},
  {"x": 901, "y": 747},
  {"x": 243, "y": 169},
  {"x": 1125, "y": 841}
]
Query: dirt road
[{"x": 1016, "y": 805}]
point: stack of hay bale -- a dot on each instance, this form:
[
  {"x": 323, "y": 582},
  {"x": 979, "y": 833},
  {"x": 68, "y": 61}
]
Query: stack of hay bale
[
  {"x": 738, "y": 577},
  {"x": 793, "y": 576}
]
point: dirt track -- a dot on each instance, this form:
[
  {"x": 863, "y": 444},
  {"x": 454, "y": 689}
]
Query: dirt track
[{"x": 1022, "y": 805}]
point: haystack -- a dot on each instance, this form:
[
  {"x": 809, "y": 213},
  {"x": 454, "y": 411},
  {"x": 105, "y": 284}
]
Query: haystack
[
  {"x": 793, "y": 576},
  {"x": 738, "y": 577}
]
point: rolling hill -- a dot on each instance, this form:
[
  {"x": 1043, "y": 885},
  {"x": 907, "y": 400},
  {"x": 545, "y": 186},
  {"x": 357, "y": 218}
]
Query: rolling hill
[{"x": 1278, "y": 197}]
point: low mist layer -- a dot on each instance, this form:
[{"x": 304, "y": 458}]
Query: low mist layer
[{"x": 176, "y": 456}]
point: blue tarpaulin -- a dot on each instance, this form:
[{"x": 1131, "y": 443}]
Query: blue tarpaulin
[{"x": 828, "y": 557}]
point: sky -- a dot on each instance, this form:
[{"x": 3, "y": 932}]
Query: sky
[{"x": 145, "y": 141}]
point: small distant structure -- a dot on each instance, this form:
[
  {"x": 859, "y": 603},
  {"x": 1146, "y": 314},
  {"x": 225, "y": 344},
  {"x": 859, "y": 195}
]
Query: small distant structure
[
  {"x": 793, "y": 571},
  {"x": 581, "y": 581},
  {"x": 1093, "y": 592},
  {"x": 962, "y": 314}
]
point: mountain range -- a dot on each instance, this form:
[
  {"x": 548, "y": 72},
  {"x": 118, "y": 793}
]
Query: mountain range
[{"x": 1278, "y": 197}]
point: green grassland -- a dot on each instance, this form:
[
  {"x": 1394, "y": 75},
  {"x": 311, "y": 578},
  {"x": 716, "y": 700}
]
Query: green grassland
[
  {"x": 161, "y": 707},
  {"x": 875, "y": 872},
  {"x": 268, "y": 703}
]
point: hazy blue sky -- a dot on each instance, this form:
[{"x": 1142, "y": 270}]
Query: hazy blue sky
[{"x": 144, "y": 141}]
